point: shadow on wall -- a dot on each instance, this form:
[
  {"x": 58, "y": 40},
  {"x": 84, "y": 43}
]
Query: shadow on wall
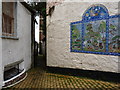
[{"x": 51, "y": 10}]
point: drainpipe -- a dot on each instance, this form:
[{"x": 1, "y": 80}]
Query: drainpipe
[{"x": 40, "y": 31}]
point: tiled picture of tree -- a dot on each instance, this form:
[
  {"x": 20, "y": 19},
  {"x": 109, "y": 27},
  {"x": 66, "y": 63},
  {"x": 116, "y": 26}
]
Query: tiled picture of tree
[
  {"x": 114, "y": 35},
  {"x": 76, "y": 36},
  {"x": 95, "y": 36},
  {"x": 97, "y": 32}
]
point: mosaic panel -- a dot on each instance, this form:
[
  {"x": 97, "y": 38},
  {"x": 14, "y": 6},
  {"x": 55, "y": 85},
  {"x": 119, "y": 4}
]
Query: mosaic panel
[
  {"x": 95, "y": 36},
  {"x": 97, "y": 33},
  {"x": 76, "y": 36},
  {"x": 95, "y": 12},
  {"x": 114, "y": 35}
]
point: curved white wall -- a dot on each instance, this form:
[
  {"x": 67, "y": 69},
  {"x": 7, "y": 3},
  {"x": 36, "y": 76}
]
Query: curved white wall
[{"x": 58, "y": 39}]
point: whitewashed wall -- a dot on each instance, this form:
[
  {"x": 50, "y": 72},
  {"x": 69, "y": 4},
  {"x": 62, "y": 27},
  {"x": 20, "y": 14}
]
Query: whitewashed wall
[
  {"x": 58, "y": 39},
  {"x": 15, "y": 50},
  {"x": 1, "y": 72}
]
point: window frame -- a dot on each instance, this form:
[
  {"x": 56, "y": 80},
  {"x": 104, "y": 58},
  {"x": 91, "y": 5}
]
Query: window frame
[{"x": 13, "y": 34}]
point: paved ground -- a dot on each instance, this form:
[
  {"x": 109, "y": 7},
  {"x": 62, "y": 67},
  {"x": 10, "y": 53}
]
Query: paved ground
[{"x": 41, "y": 79}]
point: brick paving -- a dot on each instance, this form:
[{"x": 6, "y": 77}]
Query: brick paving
[{"x": 40, "y": 79}]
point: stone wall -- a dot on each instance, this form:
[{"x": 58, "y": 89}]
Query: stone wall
[{"x": 58, "y": 39}]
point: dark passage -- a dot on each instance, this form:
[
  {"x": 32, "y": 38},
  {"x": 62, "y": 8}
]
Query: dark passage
[{"x": 40, "y": 61}]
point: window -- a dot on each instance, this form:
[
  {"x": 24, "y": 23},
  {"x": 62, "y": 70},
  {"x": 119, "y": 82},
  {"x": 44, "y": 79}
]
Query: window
[
  {"x": 97, "y": 33},
  {"x": 8, "y": 18}
]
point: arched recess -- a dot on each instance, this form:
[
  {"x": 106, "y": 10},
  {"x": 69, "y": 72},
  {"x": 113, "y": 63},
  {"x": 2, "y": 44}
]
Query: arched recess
[{"x": 95, "y": 11}]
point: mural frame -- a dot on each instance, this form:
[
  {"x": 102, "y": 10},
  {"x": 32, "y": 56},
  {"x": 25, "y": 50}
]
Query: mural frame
[{"x": 83, "y": 21}]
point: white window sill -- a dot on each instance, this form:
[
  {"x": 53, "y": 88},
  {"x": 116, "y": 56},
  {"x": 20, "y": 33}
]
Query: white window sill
[{"x": 10, "y": 37}]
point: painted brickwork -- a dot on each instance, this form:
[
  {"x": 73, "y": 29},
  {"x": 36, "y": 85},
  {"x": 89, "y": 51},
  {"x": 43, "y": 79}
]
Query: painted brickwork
[{"x": 58, "y": 39}]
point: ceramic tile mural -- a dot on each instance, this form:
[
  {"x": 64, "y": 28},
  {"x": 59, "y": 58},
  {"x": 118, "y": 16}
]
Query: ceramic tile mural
[
  {"x": 97, "y": 33},
  {"x": 76, "y": 36},
  {"x": 114, "y": 37},
  {"x": 95, "y": 12}
]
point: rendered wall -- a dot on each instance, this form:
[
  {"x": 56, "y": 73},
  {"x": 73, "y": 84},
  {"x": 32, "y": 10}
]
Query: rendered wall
[
  {"x": 15, "y": 50},
  {"x": 1, "y": 72},
  {"x": 58, "y": 39}
]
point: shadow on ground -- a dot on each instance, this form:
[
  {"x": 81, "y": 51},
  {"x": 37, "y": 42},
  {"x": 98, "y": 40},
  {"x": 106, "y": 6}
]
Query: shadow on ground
[{"x": 96, "y": 75}]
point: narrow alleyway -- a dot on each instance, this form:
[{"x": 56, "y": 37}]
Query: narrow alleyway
[{"x": 40, "y": 78}]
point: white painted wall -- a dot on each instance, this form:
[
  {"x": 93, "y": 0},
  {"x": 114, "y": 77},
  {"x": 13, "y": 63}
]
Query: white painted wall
[
  {"x": 1, "y": 71},
  {"x": 58, "y": 39},
  {"x": 15, "y": 50}
]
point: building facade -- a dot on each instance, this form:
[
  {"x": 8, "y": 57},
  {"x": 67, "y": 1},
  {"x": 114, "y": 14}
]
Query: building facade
[
  {"x": 15, "y": 42},
  {"x": 74, "y": 40}
]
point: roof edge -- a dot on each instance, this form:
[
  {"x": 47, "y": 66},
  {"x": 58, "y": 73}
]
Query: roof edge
[{"x": 33, "y": 11}]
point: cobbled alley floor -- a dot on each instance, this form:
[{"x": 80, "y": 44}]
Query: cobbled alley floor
[{"x": 39, "y": 79}]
